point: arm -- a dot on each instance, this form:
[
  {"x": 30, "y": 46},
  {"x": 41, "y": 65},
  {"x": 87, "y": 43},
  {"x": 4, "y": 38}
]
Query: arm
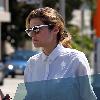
[{"x": 83, "y": 78}]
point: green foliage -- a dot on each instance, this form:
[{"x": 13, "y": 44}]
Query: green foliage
[{"x": 81, "y": 42}]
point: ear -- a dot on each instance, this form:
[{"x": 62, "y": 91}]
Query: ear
[{"x": 55, "y": 30}]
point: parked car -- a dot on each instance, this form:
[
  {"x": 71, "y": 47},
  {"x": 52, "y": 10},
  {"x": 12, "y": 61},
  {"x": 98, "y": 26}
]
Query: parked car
[
  {"x": 1, "y": 73},
  {"x": 16, "y": 63}
]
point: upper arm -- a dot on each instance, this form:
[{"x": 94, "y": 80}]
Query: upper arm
[
  {"x": 83, "y": 67},
  {"x": 83, "y": 79}
]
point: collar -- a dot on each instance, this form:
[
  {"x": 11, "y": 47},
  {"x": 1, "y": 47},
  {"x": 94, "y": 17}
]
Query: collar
[{"x": 54, "y": 54}]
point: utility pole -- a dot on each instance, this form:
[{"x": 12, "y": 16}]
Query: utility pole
[
  {"x": 41, "y": 4},
  {"x": 0, "y": 40},
  {"x": 85, "y": 18},
  {"x": 62, "y": 8},
  {"x": 96, "y": 79}
]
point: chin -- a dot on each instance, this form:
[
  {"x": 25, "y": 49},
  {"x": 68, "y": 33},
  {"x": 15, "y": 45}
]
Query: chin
[{"x": 36, "y": 46}]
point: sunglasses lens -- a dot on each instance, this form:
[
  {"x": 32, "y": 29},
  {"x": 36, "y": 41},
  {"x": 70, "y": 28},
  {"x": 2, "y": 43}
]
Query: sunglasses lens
[
  {"x": 36, "y": 29},
  {"x": 31, "y": 31}
]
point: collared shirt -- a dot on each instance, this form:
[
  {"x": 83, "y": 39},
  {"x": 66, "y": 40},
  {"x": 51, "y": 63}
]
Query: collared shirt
[{"x": 61, "y": 63}]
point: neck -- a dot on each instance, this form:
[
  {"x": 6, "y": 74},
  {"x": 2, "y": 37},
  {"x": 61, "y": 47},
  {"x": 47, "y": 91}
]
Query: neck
[{"x": 47, "y": 50}]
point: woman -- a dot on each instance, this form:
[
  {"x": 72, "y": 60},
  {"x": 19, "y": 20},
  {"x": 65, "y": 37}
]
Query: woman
[{"x": 46, "y": 28}]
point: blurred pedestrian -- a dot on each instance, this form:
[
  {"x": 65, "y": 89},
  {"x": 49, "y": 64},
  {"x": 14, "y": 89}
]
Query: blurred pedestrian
[
  {"x": 46, "y": 28},
  {"x": 1, "y": 95}
]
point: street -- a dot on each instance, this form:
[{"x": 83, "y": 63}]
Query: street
[{"x": 10, "y": 85}]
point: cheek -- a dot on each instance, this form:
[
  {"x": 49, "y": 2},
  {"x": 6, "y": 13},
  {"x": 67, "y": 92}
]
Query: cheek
[
  {"x": 48, "y": 37},
  {"x": 44, "y": 36}
]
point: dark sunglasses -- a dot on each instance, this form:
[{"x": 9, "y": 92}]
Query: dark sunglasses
[{"x": 34, "y": 30}]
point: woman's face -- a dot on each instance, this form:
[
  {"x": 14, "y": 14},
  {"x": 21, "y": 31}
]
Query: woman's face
[{"x": 44, "y": 37}]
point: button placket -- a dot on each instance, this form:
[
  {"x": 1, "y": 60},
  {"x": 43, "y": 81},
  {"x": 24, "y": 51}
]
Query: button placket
[{"x": 46, "y": 69}]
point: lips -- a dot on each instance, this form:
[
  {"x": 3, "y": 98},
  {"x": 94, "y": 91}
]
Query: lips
[{"x": 35, "y": 41}]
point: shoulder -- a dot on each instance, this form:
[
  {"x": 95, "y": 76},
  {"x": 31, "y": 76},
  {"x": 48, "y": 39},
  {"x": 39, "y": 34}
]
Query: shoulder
[
  {"x": 68, "y": 51},
  {"x": 73, "y": 53},
  {"x": 81, "y": 62},
  {"x": 78, "y": 55},
  {"x": 34, "y": 58},
  {"x": 29, "y": 66}
]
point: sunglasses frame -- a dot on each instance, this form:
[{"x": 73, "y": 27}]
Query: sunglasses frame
[{"x": 34, "y": 29}]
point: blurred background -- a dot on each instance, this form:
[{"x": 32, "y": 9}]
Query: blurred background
[{"x": 82, "y": 20}]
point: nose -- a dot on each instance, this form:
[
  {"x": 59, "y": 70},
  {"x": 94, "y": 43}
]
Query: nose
[{"x": 33, "y": 34}]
